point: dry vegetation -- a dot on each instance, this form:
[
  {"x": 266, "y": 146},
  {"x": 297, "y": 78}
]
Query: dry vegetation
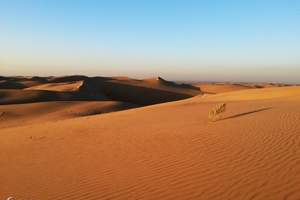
[{"x": 215, "y": 113}]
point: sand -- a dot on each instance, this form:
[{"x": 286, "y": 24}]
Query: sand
[
  {"x": 216, "y": 88},
  {"x": 164, "y": 151},
  {"x": 32, "y": 113},
  {"x": 59, "y": 87}
]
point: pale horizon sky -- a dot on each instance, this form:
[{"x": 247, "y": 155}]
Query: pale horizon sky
[{"x": 197, "y": 40}]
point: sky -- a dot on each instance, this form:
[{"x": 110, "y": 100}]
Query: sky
[{"x": 198, "y": 40}]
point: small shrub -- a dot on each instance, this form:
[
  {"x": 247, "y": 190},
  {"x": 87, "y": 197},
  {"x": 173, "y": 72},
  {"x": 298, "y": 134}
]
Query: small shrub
[{"x": 215, "y": 113}]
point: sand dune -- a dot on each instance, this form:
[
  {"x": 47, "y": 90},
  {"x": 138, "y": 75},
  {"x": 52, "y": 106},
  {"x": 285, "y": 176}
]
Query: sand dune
[
  {"x": 216, "y": 88},
  {"x": 20, "y": 82},
  {"x": 135, "y": 91},
  {"x": 165, "y": 151},
  {"x": 70, "y": 88}
]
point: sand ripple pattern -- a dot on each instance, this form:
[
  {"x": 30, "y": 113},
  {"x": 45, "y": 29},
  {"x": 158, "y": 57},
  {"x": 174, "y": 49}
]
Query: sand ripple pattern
[{"x": 160, "y": 152}]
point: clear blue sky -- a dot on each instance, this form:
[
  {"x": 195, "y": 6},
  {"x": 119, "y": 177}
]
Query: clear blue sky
[{"x": 232, "y": 40}]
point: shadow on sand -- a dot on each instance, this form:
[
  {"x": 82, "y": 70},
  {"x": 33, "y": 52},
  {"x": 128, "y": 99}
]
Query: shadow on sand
[{"x": 246, "y": 113}]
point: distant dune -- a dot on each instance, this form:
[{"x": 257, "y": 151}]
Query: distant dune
[
  {"x": 216, "y": 88},
  {"x": 70, "y": 88},
  {"x": 29, "y": 100},
  {"x": 141, "y": 92},
  {"x": 62, "y": 150},
  {"x": 20, "y": 82},
  {"x": 257, "y": 94},
  {"x": 7, "y": 84},
  {"x": 15, "y": 96}
]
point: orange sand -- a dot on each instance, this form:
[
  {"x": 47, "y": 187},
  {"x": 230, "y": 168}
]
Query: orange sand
[
  {"x": 165, "y": 151},
  {"x": 215, "y": 88},
  {"x": 60, "y": 87}
]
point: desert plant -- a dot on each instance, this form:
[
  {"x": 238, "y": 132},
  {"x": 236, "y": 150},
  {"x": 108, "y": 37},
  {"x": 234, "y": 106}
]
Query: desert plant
[{"x": 215, "y": 113}]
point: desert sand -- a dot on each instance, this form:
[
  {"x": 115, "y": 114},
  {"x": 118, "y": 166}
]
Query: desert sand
[
  {"x": 216, "y": 88},
  {"x": 66, "y": 150},
  {"x": 221, "y": 87}
]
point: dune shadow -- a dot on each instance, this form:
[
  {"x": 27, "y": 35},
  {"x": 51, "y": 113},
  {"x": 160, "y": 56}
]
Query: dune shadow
[{"x": 246, "y": 113}]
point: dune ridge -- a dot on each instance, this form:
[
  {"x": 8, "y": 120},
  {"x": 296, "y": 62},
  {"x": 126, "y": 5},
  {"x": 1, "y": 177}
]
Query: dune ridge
[{"x": 217, "y": 88}]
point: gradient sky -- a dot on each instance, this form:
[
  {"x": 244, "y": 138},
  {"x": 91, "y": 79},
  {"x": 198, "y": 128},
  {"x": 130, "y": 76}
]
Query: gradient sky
[{"x": 217, "y": 40}]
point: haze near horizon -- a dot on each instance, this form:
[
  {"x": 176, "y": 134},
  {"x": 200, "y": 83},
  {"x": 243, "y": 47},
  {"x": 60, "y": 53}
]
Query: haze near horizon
[{"x": 255, "y": 41}]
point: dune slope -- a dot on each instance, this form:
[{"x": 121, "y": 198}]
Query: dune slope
[
  {"x": 165, "y": 151},
  {"x": 214, "y": 88},
  {"x": 31, "y": 113},
  {"x": 59, "y": 87}
]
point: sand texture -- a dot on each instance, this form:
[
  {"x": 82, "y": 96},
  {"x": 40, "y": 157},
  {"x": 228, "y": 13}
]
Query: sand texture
[{"x": 164, "y": 151}]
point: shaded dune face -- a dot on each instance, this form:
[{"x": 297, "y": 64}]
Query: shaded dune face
[
  {"x": 6, "y": 84},
  {"x": 140, "y": 95},
  {"x": 14, "y": 96},
  {"x": 32, "y": 96},
  {"x": 133, "y": 92},
  {"x": 20, "y": 82}
]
